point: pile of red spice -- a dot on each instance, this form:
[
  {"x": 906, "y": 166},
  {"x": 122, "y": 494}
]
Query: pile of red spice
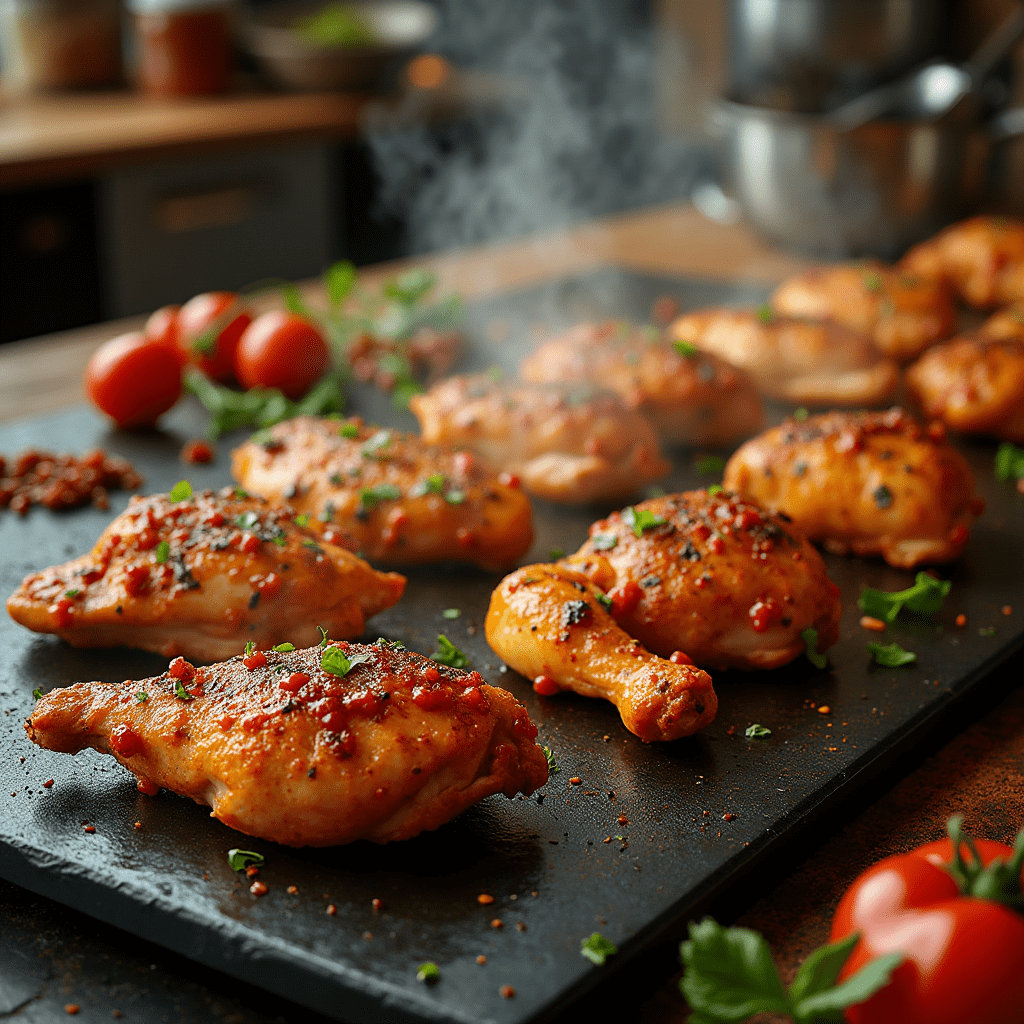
[{"x": 63, "y": 481}]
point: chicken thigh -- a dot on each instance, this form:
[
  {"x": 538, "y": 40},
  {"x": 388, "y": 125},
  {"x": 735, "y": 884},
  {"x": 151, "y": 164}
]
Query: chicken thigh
[
  {"x": 712, "y": 575},
  {"x": 201, "y": 576},
  {"x": 903, "y": 314},
  {"x": 388, "y": 495},
  {"x": 568, "y": 447},
  {"x": 313, "y": 747},
  {"x": 549, "y": 623},
  {"x": 817, "y": 362},
  {"x": 867, "y": 482},
  {"x": 691, "y": 398}
]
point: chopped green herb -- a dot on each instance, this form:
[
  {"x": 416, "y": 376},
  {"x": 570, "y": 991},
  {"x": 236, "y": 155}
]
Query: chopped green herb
[
  {"x": 327, "y": 512},
  {"x": 312, "y": 545},
  {"x": 141, "y": 697},
  {"x": 448, "y": 654},
  {"x": 604, "y": 541},
  {"x": 606, "y": 601},
  {"x": 555, "y": 554},
  {"x": 250, "y": 649},
  {"x": 181, "y": 491},
  {"x": 987, "y": 631},
  {"x": 654, "y": 491},
  {"x": 455, "y": 497},
  {"x": 180, "y": 692},
  {"x": 891, "y": 655},
  {"x": 434, "y": 484},
  {"x": 302, "y": 519},
  {"x": 239, "y": 493},
  {"x": 641, "y": 519},
  {"x": 873, "y": 281},
  {"x": 810, "y": 639},
  {"x": 335, "y": 662},
  {"x": 349, "y": 430},
  {"x": 370, "y": 497},
  {"x": 72, "y": 593},
  {"x": 685, "y": 348},
  {"x": 597, "y": 949},
  {"x": 280, "y": 539},
  {"x": 371, "y": 449},
  {"x": 925, "y": 597},
  {"x": 756, "y": 731},
  {"x": 765, "y": 314},
  {"x": 323, "y": 637},
  {"x": 708, "y": 464},
  {"x": 451, "y": 613},
  {"x": 391, "y": 645},
  {"x": 428, "y": 973},
  {"x": 247, "y": 520},
  {"x": 37, "y": 693},
  {"x": 1009, "y": 462},
  {"x": 553, "y": 768},
  {"x": 284, "y": 648},
  {"x": 800, "y": 414},
  {"x": 239, "y": 860},
  {"x": 715, "y": 489},
  {"x": 339, "y": 278}
]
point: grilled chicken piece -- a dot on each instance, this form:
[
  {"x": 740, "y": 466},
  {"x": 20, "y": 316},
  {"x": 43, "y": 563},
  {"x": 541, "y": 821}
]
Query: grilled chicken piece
[
  {"x": 901, "y": 313},
  {"x": 690, "y": 398},
  {"x": 714, "y": 576},
  {"x": 549, "y": 624},
  {"x": 982, "y": 258},
  {"x": 817, "y": 362},
  {"x": 868, "y": 483},
  {"x": 288, "y": 747},
  {"x": 974, "y": 384},
  {"x": 565, "y": 447},
  {"x": 1006, "y": 324},
  {"x": 200, "y": 577},
  {"x": 388, "y": 495}
]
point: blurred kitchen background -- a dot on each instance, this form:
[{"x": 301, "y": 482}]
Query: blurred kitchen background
[{"x": 159, "y": 148}]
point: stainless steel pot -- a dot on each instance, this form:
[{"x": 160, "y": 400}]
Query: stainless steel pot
[{"x": 876, "y": 189}]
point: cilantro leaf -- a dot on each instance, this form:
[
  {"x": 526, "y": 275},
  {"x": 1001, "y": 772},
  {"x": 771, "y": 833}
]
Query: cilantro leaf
[
  {"x": 371, "y": 448},
  {"x": 891, "y": 655},
  {"x": 250, "y": 649},
  {"x": 765, "y": 314},
  {"x": 801, "y": 414},
  {"x": 339, "y": 279},
  {"x": 756, "y": 731},
  {"x": 810, "y": 639},
  {"x": 606, "y": 602},
  {"x": 163, "y": 551},
  {"x": 349, "y": 430},
  {"x": 181, "y": 491},
  {"x": 553, "y": 768},
  {"x": 925, "y": 597},
  {"x": 448, "y": 654},
  {"x": 284, "y": 648},
  {"x": 715, "y": 489},
  {"x": 335, "y": 662},
  {"x": 1009, "y": 462},
  {"x": 709, "y": 464},
  {"x": 141, "y": 697},
  {"x": 180, "y": 692},
  {"x": 641, "y": 519},
  {"x": 37, "y": 693},
  {"x": 302, "y": 519},
  {"x": 428, "y": 973},
  {"x": 370, "y": 497},
  {"x": 685, "y": 348},
  {"x": 239, "y": 860},
  {"x": 597, "y": 948}
]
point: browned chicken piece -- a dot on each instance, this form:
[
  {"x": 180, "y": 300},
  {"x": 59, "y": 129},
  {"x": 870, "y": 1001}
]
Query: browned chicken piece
[
  {"x": 565, "y": 447},
  {"x": 689, "y": 397},
  {"x": 982, "y": 258},
  {"x": 863, "y": 482},
  {"x": 549, "y": 623},
  {"x": 1006, "y": 324},
  {"x": 200, "y": 577},
  {"x": 714, "y": 576},
  {"x": 310, "y": 747},
  {"x": 813, "y": 362},
  {"x": 387, "y": 495},
  {"x": 974, "y": 384},
  {"x": 902, "y": 313}
]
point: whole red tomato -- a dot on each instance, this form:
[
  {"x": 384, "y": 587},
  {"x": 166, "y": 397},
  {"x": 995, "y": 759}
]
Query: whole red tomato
[
  {"x": 209, "y": 326},
  {"x": 964, "y": 954},
  {"x": 133, "y": 379},
  {"x": 162, "y": 327},
  {"x": 281, "y": 350}
]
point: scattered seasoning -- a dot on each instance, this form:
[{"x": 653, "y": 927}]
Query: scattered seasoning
[
  {"x": 62, "y": 481},
  {"x": 606, "y": 602},
  {"x": 481, "y": 959},
  {"x": 239, "y": 860},
  {"x": 48, "y": 784},
  {"x": 756, "y": 731},
  {"x": 961, "y": 620},
  {"x": 37, "y": 693},
  {"x": 622, "y": 820},
  {"x": 71, "y": 1008},
  {"x": 497, "y": 923},
  {"x": 197, "y": 452},
  {"x": 604, "y": 541},
  {"x": 180, "y": 692},
  {"x": 89, "y": 828},
  {"x": 575, "y": 781},
  {"x": 349, "y": 430},
  {"x": 377, "y": 904},
  {"x": 258, "y": 889},
  {"x": 824, "y": 710},
  {"x": 1007, "y": 609},
  {"x": 1009, "y": 462},
  {"x": 138, "y": 824},
  {"x": 800, "y": 414},
  {"x": 597, "y": 949},
  {"x": 520, "y": 926},
  {"x": 728, "y": 816},
  {"x": 810, "y": 639},
  {"x": 870, "y": 622},
  {"x": 331, "y": 910},
  {"x": 336, "y": 663},
  {"x": 448, "y": 654},
  {"x": 715, "y": 489},
  {"x": 292, "y": 890},
  {"x": 428, "y": 973},
  {"x": 987, "y": 631},
  {"x": 891, "y": 655},
  {"x": 506, "y": 992},
  {"x": 484, "y": 899}
]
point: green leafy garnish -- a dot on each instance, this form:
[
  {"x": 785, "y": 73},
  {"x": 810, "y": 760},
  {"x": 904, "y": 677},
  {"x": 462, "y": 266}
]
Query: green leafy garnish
[
  {"x": 335, "y": 662},
  {"x": 597, "y": 948},
  {"x": 730, "y": 975},
  {"x": 339, "y": 279},
  {"x": 180, "y": 692},
  {"x": 337, "y": 24},
  {"x": 250, "y": 649},
  {"x": 181, "y": 491},
  {"x": 604, "y": 541},
  {"x": 800, "y": 414},
  {"x": 448, "y": 654},
  {"x": 1009, "y": 462},
  {"x": 715, "y": 489},
  {"x": 451, "y": 613},
  {"x": 428, "y": 973},
  {"x": 641, "y": 519},
  {"x": 873, "y": 281},
  {"x": 925, "y": 597},
  {"x": 757, "y": 731},
  {"x": 891, "y": 655},
  {"x": 323, "y": 638},
  {"x": 810, "y": 639},
  {"x": 349, "y": 430},
  {"x": 553, "y": 768},
  {"x": 163, "y": 551},
  {"x": 685, "y": 348},
  {"x": 555, "y": 554},
  {"x": 284, "y": 648},
  {"x": 765, "y": 314},
  {"x": 141, "y": 697},
  {"x": 370, "y": 497},
  {"x": 239, "y": 860},
  {"x": 302, "y": 519},
  {"x": 72, "y": 593},
  {"x": 37, "y": 693},
  {"x": 606, "y": 601},
  {"x": 708, "y": 464},
  {"x": 372, "y": 447},
  {"x": 280, "y": 539}
]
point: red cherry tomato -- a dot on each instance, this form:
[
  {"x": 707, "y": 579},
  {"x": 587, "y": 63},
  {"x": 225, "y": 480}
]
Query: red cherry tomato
[
  {"x": 208, "y": 332},
  {"x": 162, "y": 326},
  {"x": 281, "y": 350},
  {"x": 133, "y": 379}
]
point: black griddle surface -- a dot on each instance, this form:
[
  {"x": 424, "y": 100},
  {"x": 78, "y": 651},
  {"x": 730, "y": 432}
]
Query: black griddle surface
[{"x": 560, "y": 866}]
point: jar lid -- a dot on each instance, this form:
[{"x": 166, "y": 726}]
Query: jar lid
[{"x": 173, "y": 6}]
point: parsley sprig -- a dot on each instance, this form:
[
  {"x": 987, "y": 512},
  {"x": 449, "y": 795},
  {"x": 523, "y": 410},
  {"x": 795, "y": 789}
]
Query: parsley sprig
[
  {"x": 596, "y": 948},
  {"x": 814, "y": 656},
  {"x": 335, "y": 662},
  {"x": 1009, "y": 462},
  {"x": 448, "y": 654},
  {"x": 891, "y": 655},
  {"x": 641, "y": 519},
  {"x": 925, "y": 597}
]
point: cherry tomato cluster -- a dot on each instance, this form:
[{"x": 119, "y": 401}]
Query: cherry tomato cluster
[{"x": 135, "y": 378}]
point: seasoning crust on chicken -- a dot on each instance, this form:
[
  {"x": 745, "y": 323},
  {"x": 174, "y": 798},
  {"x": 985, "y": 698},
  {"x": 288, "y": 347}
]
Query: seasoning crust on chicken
[
  {"x": 690, "y": 397},
  {"x": 731, "y": 585},
  {"x": 314, "y": 747},
  {"x": 549, "y": 623},
  {"x": 902, "y": 313},
  {"x": 200, "y": 577},
  {"x": 388, "y": 495},
  {"x": 867, "y": 483},
  {"x": 567, "y": 447},
  {"x": 813, "y": 362}
]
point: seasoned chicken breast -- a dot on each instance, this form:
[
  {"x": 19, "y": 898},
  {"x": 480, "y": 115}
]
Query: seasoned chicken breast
[
  {"x": 902, "y": 313},
  {"x": 312, "y": 747},
  {"x": 982, "y": 258},
  {"x": 863, "y": 482},
  {"x": 549, "y": 623},
  {"x": 567, "y": 447},
  {"x": 1005, "y": 324},
  {"x": 202, "y": 576},
  {"x": 690, "y": 397},
  {"x": 816, "y": 362},
  {"x": 714, "y": 576},
  {"x": 388, "y": 495}
]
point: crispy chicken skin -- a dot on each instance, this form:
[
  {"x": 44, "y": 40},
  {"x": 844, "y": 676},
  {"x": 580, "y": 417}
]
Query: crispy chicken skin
[
  {"x": 817, "y": 362},
  {"x": 289, "y": 752},
  {"x": 902, "y": 313},
  {"x": 565, "y": 447},
  {"x": 1005, "y": 324},
  {"x": 690, "y": 399},
  {"x": 388, "y": 495},
  {"x": 863, "y": 482},
  {"x": 202, "y": 576},
  {"x": 548, "y": 623},
  {"x": 714, "y": 576},
  {"x": 982, "y": 258},
  {"x": 974, "y": 384}
]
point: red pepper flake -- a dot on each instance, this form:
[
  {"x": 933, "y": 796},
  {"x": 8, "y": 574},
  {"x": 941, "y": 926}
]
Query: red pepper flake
[
  {"x": 378, "y": 905},
  {"x": 255, "y": 661},
  {"x": 1007, "y": 609},
  {"x": 680, "y": 658},
  {"x": 251, "y": 871},
  {"x": 138, "y": 824},
  {"x": 147, "y": 787},
  {"x": 484, "y": 899},
  {"x": 546, "y": 686},
  {"x": 89, "y": 828},
  {"x": 71, "y": 1009},
  {"x": 520, "y": 926},
  {"x": 623, "y": 820},
  {"x": 292, "y": 890},
  {"x": 331, "y": 910},
  {"x": 481, "y": 959},
  {"x": 824, "y": 710},
  {"x": 575, "y": 781},
  {"x": 870, "y": 622},
  {"x": 506, "y": 991},
  {"x": 48, "y": 784},
  {"x": 961, "y": 620},
  {"x": 258, "y": 889},
  {"x": 509, "y": 480},
  {"x": 497, "y": 923},
  {"x": 197, "y": 452},
  {"x": 728, "y": 816}
]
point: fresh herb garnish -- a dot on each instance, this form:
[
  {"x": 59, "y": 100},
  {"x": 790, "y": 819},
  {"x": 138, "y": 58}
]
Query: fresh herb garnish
[
  {"x": 37, "y": 693},
  {"x": 873, "y": 281},
  {"x": 756, "y": 731},
  {"x": 455, "y": 497},
  {"x": 336, "y": 663},
  {"x": 800, "y": 414},
  {"x": 1009, "y": 462},
  {"x": 180, "y": 692},
  {"x": 428, "y": 973},
  {"x": 141, "y": 697},
  {"x": 239, "y": 860},
  {"x": 284, "y": 648},
  {"x": 370, "y": 497},
  {"x": 715, "y": 489},
  {"x": 448, "y": 654},
  {"x": 553, "y": 768},
  {"x": 685, "y": 348},
  {"x": 181, "y": 491},
  {"x": 391, "y": 645},
  {"x": 349, "y": 430},
  {"x": 606, "y": 601},
  {"x": 810, "y": 639},
  {"x": 163, "y": 551},
  {"x": 708, "y": 464},
  {"x": 323, "y": 638},
  {"x": 891, "y": 655},
  {"x": 250, "y": 649},
  {"x": 597, "y": 949},
  {"x": 604, "y": 541},
  {"x": 641, "y": 519},
  {"x": 765, "y": 314},
  {"x": 925, "y": 597},
  {"x": 72, "y": 593},
  {"x": 555, "y": 554},
  {"x": 302, "y": 519},
  {"x": 450, "y": 613},
  {"x": 371, "y": 449},
  {"x": 280, "y": 539}
]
